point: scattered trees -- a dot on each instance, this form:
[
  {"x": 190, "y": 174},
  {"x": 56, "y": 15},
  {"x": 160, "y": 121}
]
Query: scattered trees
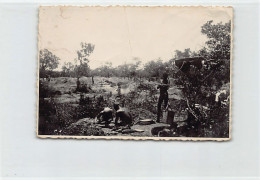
[{"x": 199, "y": 84}]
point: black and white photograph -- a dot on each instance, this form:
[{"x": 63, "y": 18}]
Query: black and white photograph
[{"x": 135, "y": 72}]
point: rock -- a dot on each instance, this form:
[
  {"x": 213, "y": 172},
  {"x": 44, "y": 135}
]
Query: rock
[
  {"x": 146, "y": 122},
  {"x": 127, "y": 131},
  {"x": 164, "y": 133},
  {"x": 112, "y": 133},
  {"x": 139, "y": 130},
  {"x": 155, "y": 130}
]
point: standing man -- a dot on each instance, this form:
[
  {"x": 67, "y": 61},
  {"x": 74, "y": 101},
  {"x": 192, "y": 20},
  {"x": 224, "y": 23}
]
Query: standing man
[{"x": 163, "y": 87}]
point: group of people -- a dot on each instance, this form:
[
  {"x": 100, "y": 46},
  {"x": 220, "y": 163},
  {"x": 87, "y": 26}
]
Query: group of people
[{"x": 123, "y": 115}]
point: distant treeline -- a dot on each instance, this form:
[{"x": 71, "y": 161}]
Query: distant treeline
[{"x": 216, "y": 48}]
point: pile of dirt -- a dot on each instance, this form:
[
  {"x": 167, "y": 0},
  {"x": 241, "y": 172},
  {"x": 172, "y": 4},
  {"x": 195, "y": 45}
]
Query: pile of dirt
[{"x": 84, "y": 127}]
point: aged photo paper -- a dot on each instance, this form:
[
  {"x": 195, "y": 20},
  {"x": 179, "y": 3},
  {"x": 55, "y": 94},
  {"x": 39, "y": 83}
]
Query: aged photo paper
[{"x": 135, "y": 73}]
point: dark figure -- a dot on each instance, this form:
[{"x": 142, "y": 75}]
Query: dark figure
[
  {"x": 123, "y": 115},
  {"x": 163, "y": 95},
  {"x": 105, "y": 116},
  {"x": 93, "y": 80},
  {"x": 119, "y": 90},
  {"x": 49, "y": 78},
  {"x": 78, "y": 83},
  {"x": 81, "y": 99}
]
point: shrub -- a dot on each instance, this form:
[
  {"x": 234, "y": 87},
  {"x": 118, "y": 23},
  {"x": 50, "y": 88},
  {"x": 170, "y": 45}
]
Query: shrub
[
  {"x": 45, "y": 90},
  {"x": 83, "y": 128},
  {"x": 55, "y": 116}
]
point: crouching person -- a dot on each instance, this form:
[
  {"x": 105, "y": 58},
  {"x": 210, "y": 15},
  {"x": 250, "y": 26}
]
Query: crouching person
[
  {"x": 123, "y": 115},
  {"x": 105, "y": 116}
]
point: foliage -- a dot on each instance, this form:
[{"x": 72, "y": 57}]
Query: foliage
[
  {"x": 134, "y": 69},
  {"x": 154, "y": 68},
  {"x": 48, "y": 61},
  {"x": 83, "y": 68},
  {"x": 90, "y": 107},
  {"x": 45, "y": 90},
  {"x": 68, "y": 69},
  {"x": 123, "y": 70},
  {"x": 200, "y": 85},
  {"x": 56, "y": 118},
  {"x": 84, "y": 128},
  {"x": 105, "y": 70},
  {"x": 184, "y": 54},
  {"x": 130, "y": 70},
  {"x": 218, "y": 39},
  {"x": 84, "y": 88},
  {"x": 141, "y": 101}
]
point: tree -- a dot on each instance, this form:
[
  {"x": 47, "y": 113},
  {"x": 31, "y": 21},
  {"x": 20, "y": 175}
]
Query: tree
[
  {"x": 48, "y": 61},
  {"x": 85, "y": 51},
  {"x": 133, "y": 68},
  {"x": 67, "y": 69},
  {"x": 218, "y": 47},
  {"x": 83, "y": 68},
  {"x": 107, "y": 69},
  {"x": 200, "y": 84},
  {"x": 218, "y": 39},
  {"x": 179, "y": 54},
  {"x": 82, "y": 57},
  {"x": 123, "y": 70},
  {"x": 155, "y": 68}
]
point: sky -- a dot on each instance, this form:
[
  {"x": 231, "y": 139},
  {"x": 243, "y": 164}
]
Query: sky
[{"x": 122, "y": 33}]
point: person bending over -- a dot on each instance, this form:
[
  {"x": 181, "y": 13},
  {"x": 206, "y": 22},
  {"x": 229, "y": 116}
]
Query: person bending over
[
  {"x": 105, "y": 116},
  {"x": 123, "y": 115}
]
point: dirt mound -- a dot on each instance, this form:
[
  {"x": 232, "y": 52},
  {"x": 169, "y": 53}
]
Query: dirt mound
[{"x": 84, "y": 127}]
